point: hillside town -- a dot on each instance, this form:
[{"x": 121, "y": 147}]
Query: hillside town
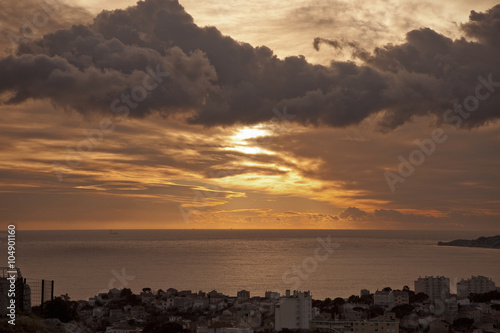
[{"x": 428, "y": 307}]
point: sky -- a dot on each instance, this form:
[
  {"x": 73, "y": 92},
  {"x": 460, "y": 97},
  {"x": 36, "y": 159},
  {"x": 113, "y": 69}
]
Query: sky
[{"x": 249, "y": 115}]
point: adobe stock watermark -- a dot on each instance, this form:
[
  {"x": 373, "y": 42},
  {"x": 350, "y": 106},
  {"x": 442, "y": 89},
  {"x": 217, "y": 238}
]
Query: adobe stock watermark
[
  {"x": 447, "y": 296},
  {"x": 30, "y": 25},
  {"x": 120, "y": 106},
  {"x": 427, "y": 146},
  {"x": 120, "y": 277},
  {"x": 297, "y": 274},
  {"x": 212, "y": 191}
]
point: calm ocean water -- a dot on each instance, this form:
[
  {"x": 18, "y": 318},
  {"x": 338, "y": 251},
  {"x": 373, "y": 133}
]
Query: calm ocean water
[{"x": 82, "y": 263}]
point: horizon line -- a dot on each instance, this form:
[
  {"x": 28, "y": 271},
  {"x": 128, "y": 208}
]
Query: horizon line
[{"x": 258, "y": 229}]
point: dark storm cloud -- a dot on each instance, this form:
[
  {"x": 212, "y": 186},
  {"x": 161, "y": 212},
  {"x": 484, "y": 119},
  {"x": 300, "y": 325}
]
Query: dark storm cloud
[
  {"x": 484, "y": 26},
  {"x": 225, "y": 81}
]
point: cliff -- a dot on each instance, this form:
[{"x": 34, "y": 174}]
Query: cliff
[{"x": 485, "y": 242}]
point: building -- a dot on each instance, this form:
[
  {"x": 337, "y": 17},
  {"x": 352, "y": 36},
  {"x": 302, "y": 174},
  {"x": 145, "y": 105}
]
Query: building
[
  {"x": 138, "y": 311},
  {"x": 475, "y": 285},
  {"x": 471, "y": 313},
  {"x": 434, "y": 287},
  {"x": 439, "y": 326},
  {"x": 449, "y": 309},
  {"x": 272, "y": 295},
  {"x": 223, "y": 330},
  {"x": 122, "y": 328},
  {"x": 390, "y": 299},
  {"x": 114, "y": 294},
  {"x": 200, "y": 303},
  {"x": 400, "y": 297},
  {"x": 243, "y": 296},
  {"x": 350, "y": 314},
  {"x": 293, "y": 311},
  {"x": 147, "y": 297},
  {"x": 384, "y": 299},
  {"x": 115, "y": 314},
  {"x": 364, "y": 292},
  {"x": 357, "y": 326}
]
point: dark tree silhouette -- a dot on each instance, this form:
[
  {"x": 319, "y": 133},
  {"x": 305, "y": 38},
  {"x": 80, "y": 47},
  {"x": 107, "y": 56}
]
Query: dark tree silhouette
[
  {"x": 338, "y": 301},
  {"x": 463, "y": 323},
  {"x": 376, "y": 311},
  {"x": 61, "y": 308},
  {"x": 403, "y": 310},
  {"x": 126, "y": 292},
  {"x": 418, "y": 298},
  {"x": 484, "y": 298}
]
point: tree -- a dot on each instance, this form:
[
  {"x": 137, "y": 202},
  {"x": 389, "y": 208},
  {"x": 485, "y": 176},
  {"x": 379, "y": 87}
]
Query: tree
[
  {"x": 387, "y": 289},
  {"x": 366, "y": 299},
  {"x": 338, "y": 301},
  {"x": 403, "y": 310},
  {"x": 376, "y": 311},
  {"x": 463, "y": 323},
  {"x": 418, "y": 298},
  {"x": 337, "y": 305},
  {"x": 61, "y": 308},
  {"x": 406, "y": 288},
  {"x": 103, "y": 324},
  {"x": 317, "y": 304},
  {"x": 125, "y": 293},
  {"x": 146, "y": 290},
  {"x": 353, "y": 299},
  {"x": 484, "y": 298}
]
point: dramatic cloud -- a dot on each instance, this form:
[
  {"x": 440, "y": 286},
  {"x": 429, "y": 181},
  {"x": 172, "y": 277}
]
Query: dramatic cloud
[
  {"x": 220, "y": 81},
  {"x": 393, "y": 218},
  {"x": 353, "y": 214},
  {"x": 207, "y": 141},
  {"x": 30, "y": 19},
  {"x": 148, "y": 171}
]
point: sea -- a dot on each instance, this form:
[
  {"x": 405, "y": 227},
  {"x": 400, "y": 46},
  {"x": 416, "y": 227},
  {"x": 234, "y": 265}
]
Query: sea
[{"x": 328, "y": 263}]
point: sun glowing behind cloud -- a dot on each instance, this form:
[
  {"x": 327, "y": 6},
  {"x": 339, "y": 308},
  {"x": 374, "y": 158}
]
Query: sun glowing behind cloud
[
  {"x": 246, "y": 139},
  {"x": 252, "y": 132}
]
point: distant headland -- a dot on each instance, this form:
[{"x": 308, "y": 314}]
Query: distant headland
[{"x": 484, "y": 242}]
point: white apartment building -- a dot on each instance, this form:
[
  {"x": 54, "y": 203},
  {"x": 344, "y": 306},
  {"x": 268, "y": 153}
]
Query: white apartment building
[
  {"x": 475, "y": 285},
  {"x": 293, "y": 311},
  {"x": 434, "y": 287}
]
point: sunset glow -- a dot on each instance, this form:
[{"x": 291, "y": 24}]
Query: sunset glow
[{"x": 189, "y": 127}]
